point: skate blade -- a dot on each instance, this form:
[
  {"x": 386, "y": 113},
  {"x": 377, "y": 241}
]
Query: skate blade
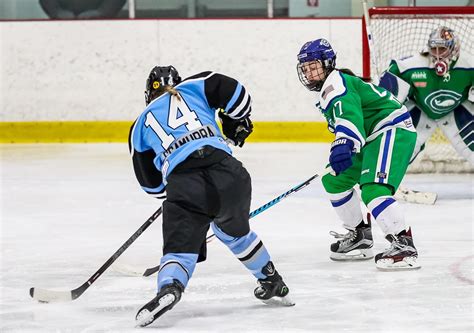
[
  {"x": 279, "y": 301},
  {"x": 145, "y": 317},
  {"x": 387, "y": 265},
  {"x": 354, "y": 255}
]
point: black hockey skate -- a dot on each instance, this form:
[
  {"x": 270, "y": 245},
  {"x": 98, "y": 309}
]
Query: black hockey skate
[
  {"x": 401, "y": 255},
  {"x": 165, "y": 300},
  {"x": 355, "y": 245},
  {"x": 272, "y": 290}
]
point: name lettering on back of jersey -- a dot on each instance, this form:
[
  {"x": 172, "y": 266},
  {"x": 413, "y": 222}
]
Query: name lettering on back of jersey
[{"x": 200, "y": 133}]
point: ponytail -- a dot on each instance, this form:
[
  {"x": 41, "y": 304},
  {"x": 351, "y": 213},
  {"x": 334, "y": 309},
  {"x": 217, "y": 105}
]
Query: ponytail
[
  {"x": 163, "y": 90},
  {"x": 351, "y": 73},
  {"x": 172, "y": 91}
]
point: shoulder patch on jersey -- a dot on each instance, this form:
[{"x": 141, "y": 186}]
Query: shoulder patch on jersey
[
  {"x": 332, "y": 88},
  {"x": 416, "y": 61},
  {"x": 327, "y": 91},
  {"x": 464, "y": 60}
]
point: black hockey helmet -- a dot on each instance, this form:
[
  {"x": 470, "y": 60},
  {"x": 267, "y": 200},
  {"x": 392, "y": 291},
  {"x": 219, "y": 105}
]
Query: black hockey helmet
[{"x": 159, "y": 77}]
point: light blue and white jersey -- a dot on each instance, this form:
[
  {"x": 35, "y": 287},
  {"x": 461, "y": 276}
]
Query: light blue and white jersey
[{"x": 174, "y": 126}]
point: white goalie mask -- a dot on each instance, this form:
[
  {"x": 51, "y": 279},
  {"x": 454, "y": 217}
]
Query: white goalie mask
[{"x": 443, "y": 48}]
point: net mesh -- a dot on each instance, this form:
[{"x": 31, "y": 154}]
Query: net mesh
[{"x": 401, "y": 35}]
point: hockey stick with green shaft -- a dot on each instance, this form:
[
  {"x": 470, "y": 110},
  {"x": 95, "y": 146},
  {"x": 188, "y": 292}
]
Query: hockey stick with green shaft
[
  {"x": 45, "y": 295},
  {"x": 257, "y": 211}
]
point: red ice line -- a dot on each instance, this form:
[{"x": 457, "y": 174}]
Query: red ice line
[{"x": 455, "y": 270}]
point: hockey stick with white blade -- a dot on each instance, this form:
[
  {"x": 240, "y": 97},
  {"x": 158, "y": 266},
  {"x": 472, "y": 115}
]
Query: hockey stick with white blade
[
  {"x": 45, "y": 295},
  {"x": 254, "y": 213},
  {"x": 418, "y": 197}
]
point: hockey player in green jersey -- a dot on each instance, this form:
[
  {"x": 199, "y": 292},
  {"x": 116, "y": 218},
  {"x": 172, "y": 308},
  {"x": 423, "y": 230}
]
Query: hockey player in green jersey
[
  {"x": 438, "y": 88},
  {"x": 374, "y": 141}
]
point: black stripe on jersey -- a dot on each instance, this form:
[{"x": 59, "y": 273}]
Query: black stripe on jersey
[
  {"x": 251, "y": 254},
  {"x": 219, "y": 89},
  {"x": 245, "y": 110},
  {"x": 239, "y": 101},
  {"x": 177, "y": 263}
]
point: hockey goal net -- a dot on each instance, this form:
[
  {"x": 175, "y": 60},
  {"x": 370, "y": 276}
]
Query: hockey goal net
[{"x": 402, "y": 31}]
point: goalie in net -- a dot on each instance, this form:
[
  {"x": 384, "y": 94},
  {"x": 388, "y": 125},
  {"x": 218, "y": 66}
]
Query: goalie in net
[{"x": 437, "y": 88}]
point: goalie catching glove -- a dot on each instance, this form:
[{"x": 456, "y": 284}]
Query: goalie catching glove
[{"x": 236, "y": 130}]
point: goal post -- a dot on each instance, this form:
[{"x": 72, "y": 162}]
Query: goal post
[{"x": 397, "y": 32}]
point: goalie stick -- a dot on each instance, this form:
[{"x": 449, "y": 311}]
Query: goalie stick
[
  {"x": 152, "y": 270},
  {"x": 45, "y": 295},
  {"x": 418, "y": 197}
]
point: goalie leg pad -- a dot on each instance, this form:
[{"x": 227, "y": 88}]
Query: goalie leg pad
[
  {"x": 458, "y": 127},
  {"x": 424, "y": 128}
]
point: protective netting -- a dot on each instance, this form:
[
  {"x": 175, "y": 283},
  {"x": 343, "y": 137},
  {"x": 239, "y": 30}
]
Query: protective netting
[{"x": 398, "y": 36}]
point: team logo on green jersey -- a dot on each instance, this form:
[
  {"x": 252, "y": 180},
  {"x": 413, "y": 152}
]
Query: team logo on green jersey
[{"x": 442, "y": 101}]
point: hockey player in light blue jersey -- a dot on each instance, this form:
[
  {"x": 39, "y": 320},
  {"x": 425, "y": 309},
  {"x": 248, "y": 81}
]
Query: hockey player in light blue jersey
[{"x": 177, "y": 147}]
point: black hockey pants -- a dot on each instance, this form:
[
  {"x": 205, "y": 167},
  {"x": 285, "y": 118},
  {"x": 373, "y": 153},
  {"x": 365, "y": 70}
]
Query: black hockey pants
[{"x": 208, "y": 186}]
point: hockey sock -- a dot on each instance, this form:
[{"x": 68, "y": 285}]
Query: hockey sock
[
  {"x": 249, "y": 249},
  {"x": 347, "y": 207},
  {"x": 388, "y": 214},
  {"x": 176, "y": 266}
]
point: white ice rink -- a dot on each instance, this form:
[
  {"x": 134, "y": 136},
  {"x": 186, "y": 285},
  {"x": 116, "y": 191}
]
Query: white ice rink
[{"x": 65, "y": 209}]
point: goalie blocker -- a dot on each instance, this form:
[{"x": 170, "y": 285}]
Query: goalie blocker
[{"x": 398, "y": 87}]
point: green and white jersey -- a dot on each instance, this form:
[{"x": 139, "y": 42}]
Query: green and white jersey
[
  {"x": 359, "y": 110},
  {"x": 435, "y": 95}
]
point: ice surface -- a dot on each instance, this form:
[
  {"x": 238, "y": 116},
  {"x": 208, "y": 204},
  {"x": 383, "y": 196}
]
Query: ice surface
[{"x": 65, "y": 209}]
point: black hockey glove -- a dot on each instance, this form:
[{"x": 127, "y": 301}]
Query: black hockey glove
[{"x": 236, "y": 130}]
